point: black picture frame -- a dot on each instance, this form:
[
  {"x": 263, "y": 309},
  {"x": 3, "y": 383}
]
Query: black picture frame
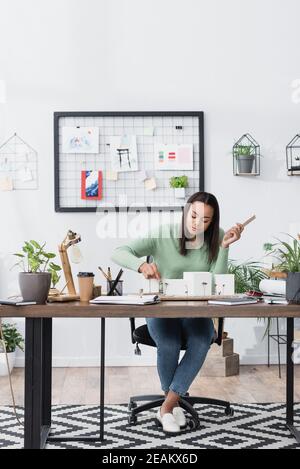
[{"x": 59, "y": 115}]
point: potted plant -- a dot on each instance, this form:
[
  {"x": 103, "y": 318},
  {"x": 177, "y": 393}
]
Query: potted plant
[
  {"x": 179, "y": 183},
  {"x": 245, "y": 155},
  {"x": 247, "y": 276},
  {"x": 288, "y": 256},
  {"x": 247, "y": 279},
  {"x": 12, "y": 339},
  {"x": 38, "y": 271}
]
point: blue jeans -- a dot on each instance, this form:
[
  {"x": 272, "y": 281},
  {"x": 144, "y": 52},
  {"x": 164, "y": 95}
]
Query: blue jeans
[{"x": 168, "y": 335}]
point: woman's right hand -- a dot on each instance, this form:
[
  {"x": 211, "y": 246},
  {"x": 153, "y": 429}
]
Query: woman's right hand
[{"x": 149, "y": 270}]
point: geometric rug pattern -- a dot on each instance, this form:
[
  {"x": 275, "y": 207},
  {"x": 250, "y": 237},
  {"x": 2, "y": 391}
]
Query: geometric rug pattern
[{"x": 253, "y": 426}]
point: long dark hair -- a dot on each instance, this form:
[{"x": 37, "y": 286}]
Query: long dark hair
[{"x": 211, "y": 235}]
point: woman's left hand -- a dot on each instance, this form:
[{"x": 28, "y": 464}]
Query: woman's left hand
[{"x": 232, "y": 235}]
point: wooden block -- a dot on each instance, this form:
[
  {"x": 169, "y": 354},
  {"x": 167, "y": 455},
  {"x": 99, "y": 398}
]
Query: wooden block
[
  {"x": 223, "y": 284},
  {"x": 225, "y": 350},
  {"x": 199, "y": 283},
  {"x": 215, "y": 366},
  {"x": 227, "y": 347}
]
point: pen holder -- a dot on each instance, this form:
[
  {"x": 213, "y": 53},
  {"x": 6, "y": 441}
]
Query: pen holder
[{"x": 119, "y": 287}]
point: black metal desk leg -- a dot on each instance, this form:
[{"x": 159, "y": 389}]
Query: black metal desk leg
[
  {"x": 47, "y": 371},
  {"x": 38, "y": 351},
  {"x": 290, "y": 380},
  {"x": 102, "y": 378}
]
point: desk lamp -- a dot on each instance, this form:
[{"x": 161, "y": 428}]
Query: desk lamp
[{"x": 70, "y": 242}]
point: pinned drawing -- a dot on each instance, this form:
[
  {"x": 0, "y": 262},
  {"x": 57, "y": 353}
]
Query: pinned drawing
[
  {"x": 123, "y": 152},
  {"x": 91, "y": 185},
  {"x": 80, "y": 140},
  {"x": 173, "y": 157}
]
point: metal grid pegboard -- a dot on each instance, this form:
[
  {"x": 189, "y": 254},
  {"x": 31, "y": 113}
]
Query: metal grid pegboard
[{"x": 127, "y": 191}]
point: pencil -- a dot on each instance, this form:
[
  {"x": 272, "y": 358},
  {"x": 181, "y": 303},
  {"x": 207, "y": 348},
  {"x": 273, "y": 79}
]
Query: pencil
[
  {"x": 249, "y": 220},
  {"x": 107, "y": 278}
]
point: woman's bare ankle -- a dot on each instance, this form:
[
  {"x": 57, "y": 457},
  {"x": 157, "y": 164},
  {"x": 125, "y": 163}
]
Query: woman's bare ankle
[
  {"x": 171, "y": 401},
  {"x": 166, "y": 409}
]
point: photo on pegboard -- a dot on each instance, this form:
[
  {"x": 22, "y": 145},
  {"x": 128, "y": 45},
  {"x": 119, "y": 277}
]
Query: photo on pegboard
[
  {"x": 173, "y": 157},
  {"x": 123, "y": 151},
  {"x": 91, "y": 185},
  {"x": 80, "y": 140}
]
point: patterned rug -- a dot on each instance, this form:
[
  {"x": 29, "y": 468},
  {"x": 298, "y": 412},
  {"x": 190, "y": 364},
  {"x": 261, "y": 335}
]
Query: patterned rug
[{"x": 253, "y": 426}]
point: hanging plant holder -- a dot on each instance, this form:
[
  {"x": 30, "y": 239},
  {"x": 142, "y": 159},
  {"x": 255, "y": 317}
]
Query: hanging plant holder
[
  {"x": 246, "y": 156},
  {"x": 293, "y": 156}
]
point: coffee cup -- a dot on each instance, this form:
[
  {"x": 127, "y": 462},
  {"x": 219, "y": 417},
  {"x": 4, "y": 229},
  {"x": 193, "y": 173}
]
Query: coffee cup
[{"x": 86, "y": 285}]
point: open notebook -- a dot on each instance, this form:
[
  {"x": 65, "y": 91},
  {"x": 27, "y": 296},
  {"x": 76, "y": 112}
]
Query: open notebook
[{"x": 126, "y": 299}]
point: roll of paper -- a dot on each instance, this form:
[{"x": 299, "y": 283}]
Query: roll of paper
[{"x": 273, "y": 287}]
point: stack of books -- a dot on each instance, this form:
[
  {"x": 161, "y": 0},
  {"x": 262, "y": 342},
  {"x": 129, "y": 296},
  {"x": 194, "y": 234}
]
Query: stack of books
[{"x": 274, "y": 299}]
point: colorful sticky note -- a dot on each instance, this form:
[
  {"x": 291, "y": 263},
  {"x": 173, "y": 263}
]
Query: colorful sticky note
[
  {"x": 150, "y": 184},
  {"x": 6, "y": 184},
  {"x": 111, "y": 175}
]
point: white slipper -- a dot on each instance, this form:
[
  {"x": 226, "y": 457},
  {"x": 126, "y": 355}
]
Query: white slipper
[
  {"x": 168, "y": 423},
  {"x": 179, "y": 416}
]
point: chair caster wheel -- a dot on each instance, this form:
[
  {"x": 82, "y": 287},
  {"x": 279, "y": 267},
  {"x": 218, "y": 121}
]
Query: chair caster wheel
[
  {"x": 229, "y": 412},
  {"x": 193, "y": 425},
  {"x": 132, "y": 420},
  {"x": 132, "y": 405}
]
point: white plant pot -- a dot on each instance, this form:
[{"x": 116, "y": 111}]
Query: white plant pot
[
  {"x": 179, "y": 192},
  {"x": 3, "y": 365}
]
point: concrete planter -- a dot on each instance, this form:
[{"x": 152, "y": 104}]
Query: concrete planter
[
  {"x": 179, "y": 192},
  {"x": 3, "y": 365},
  {"x": 35, "y": 286},
  {"x": 293, "y": 287},
  {"x": 245, "y": 163}
]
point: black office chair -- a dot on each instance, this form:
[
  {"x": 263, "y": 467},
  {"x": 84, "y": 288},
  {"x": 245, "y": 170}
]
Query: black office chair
[{"x": 140, "y": 335}]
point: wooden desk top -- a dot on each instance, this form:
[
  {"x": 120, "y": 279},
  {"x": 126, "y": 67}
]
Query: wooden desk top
[{"x": 165, "y": 309}]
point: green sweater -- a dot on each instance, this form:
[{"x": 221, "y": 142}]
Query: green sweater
[{"x": 165, "y": 251}]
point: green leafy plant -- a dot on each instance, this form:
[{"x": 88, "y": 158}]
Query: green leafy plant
[
  {"x": 12, "y": 338},
  {"x": 287, "y": 254},
  {"x": 178, "y": 181},
  {"x": 244, "y": 150},
  {"x": 55, "y": 278},
  {"x": 34, "y": 258},
  {"x": 247, "y": 275}
]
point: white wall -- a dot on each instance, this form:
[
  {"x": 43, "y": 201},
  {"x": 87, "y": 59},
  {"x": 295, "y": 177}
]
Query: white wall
[{"x": 235, "y": 60}]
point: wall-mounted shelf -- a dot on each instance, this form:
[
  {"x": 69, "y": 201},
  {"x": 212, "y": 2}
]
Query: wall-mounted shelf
[
  {"x": 246, "y": 156},
  {"x": 293, "y": 156}
]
